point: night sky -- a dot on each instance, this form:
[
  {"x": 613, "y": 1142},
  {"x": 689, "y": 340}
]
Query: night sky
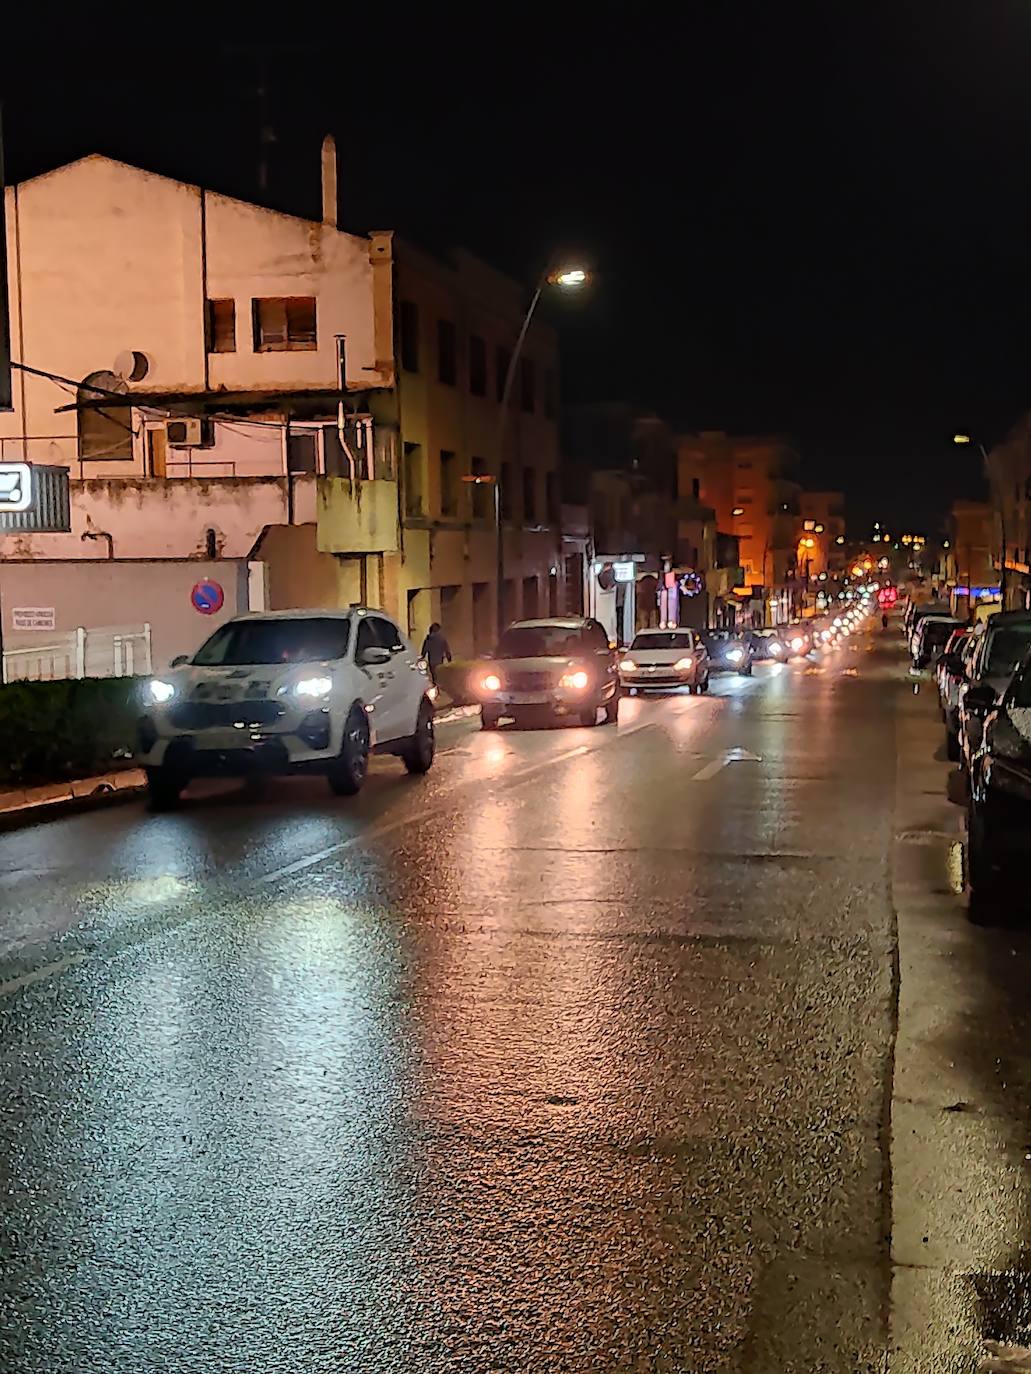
[{"x": 811, "y": 219}]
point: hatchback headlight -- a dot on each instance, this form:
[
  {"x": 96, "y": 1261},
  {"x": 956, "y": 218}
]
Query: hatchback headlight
[
  {"x": 776, "y": 647},
  {"x": 735, "y": 655},
  {"x": 160, "y": 690},
  {"x": 797, "y": 644},
  {"x": 314, "y": 687},
  {"x": 577, "y": 681}
]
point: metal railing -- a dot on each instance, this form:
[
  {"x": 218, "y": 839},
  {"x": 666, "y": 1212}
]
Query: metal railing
[{"x": 113, "y": 651}]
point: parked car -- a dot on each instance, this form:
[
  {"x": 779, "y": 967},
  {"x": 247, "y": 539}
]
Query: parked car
[
  {"x": 797, "y": 640},
  {"x": 665, "y": 658},
  {"x": 767, "y": 646},
  {"x": 915, "y": 613},
  {"x": 999, "y": 806},
  {"x": 951, "y": 674},
  {"x": 288, "y": 692},
  {"x": 546, "y": 668},
  {"x": 1002, "y": 645},
  {"x": 728, "y": 652},
  {"x": 930, "y": 637}
]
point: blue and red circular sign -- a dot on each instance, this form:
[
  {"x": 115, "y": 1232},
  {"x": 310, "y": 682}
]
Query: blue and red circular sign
[{"x": 207, "y": 597}]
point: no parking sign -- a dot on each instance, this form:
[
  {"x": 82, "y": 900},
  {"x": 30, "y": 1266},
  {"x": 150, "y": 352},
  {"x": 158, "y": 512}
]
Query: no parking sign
[{"x": 207, "y": 597}]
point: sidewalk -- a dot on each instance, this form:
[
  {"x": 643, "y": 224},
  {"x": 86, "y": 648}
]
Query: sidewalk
[{"x": 960, "y": 1129}]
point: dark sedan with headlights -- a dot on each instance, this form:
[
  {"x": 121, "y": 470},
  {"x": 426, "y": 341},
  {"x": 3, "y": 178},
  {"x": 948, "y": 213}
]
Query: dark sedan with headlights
[
  {"x": 546, "y": 668},
  {"x": 728, "y": 653}
]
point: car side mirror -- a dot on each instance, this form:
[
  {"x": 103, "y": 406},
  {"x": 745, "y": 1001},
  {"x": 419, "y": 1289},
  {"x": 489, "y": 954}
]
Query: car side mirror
[
  {"x": 179, "y": 660},
  {"x": 373, "y": 656},
  {"x": 980, "y": 698}
]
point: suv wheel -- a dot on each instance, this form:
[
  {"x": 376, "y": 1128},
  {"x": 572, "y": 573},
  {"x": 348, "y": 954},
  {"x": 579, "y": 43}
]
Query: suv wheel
[
  {"x": 418, "y": 751},
  {"x": 165, "y": 786},
  {"x": 983, "y": 874},
  {"x": 352, "y": 763}
]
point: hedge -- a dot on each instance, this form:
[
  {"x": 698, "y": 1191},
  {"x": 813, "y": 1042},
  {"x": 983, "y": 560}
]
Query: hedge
[{"x": 50, "y": 731}]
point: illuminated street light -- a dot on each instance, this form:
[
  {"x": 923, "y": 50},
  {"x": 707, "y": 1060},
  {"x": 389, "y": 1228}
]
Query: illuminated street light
[
  {"x": 568, "y": 276},
  {"x": 840, "y": 539},
  {"x": 738, "y": 510}
]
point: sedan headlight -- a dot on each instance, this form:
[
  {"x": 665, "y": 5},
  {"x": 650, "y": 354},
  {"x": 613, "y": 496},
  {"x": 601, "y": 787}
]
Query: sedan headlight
[
  {"x": 735, "y": 655},
  {"x": 314, "y": 687},
  {"x": 160, "y": 690},
  {"x": 629, "y": 665},
  {"x": 577, "y": 681},
  {"x": 776, "y": 647},
  {"x": 682, "y": 665}
]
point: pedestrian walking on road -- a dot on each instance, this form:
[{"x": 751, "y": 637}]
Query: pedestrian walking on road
[{"x": 436, "y": 650}]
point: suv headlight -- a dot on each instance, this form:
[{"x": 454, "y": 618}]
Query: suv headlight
[
  {"x": 629, "y": 665},
  {"x": 160, "y": 690},
  {"x": 683, "y": 664},
  {"x": 313, "y": 687},
  {"x": 577, "y": 681}
]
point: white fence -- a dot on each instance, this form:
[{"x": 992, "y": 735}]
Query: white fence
[{"x": 115, "y": 651}]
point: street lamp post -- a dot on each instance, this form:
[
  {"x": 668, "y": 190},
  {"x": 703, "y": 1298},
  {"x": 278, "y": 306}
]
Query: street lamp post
[
  {"x": 993, "y": 482},
  {"x": 569, "y": 278}
]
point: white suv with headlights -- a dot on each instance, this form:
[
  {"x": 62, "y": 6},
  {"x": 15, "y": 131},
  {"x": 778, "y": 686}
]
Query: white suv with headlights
[{"x": 288, "y": 692}]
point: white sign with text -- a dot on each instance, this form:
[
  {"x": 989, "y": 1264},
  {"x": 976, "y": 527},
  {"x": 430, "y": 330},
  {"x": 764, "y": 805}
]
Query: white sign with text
[{"x": 33, "y": 618}]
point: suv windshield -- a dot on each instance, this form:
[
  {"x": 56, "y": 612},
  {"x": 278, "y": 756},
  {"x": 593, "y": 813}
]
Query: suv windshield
[
  {"x": 1007, "y": 648},
  {"x": 662, "y": 639},
  {"x": 274, "y": 641},
  {"x": 540, "y": 641}
]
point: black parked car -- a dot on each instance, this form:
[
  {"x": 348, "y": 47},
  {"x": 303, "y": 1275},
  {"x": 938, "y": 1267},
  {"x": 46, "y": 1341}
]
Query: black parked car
[
  {"x": 728, "y": 652},
  {"x": 999, "y": 814},
  {"x": 1002, "y": 645}
]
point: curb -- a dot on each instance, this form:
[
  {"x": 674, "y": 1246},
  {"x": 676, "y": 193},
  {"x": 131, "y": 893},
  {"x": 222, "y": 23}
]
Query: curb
[
  {"x": 450, "y": 713},
  {"x": 28, "y": 805}
]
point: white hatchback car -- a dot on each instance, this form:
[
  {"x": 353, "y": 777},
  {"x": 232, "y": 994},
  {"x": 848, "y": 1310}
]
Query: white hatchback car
[
  {"x": 665, "y": 658},
  {"x": 288, "y": 692}
]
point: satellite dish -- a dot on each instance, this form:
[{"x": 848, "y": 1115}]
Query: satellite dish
[{"x": 132, "y": 365}]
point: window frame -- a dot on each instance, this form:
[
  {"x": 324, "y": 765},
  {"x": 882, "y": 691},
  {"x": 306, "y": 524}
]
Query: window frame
[
  {"x": 289, "y": 343},
  {"x": 211, "y": 326}
]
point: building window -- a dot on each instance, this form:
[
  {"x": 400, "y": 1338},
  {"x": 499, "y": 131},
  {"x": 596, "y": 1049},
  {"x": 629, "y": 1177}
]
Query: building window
[
  {"x": 104, "y": 432},
  {"x": 447, "y": 351},
  {"x": 483, "y": 496},
  {"x": 553, "y": 495},
  {"x": 527, "y": 385},
  {"x": 477, "y": 365},
  {"x": 409, "y": 336},
  {"x": 550, "y": 394},
  {"x": 502, "y": 358},
  {"x": 220, "y": 322},
  {"x": 302, "y": 450},
  {"x": 415, "y": 481},
  {"x": 284, "y": 324},
  {"x": 507, "y": 493},
  {"x": 529, "y": 495},
  {"x": 448, "y": 482}
]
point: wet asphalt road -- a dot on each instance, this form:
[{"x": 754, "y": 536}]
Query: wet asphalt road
[{"x": 575, "y": 1055}]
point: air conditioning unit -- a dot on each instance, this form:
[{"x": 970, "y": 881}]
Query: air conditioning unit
[{"x": 189, "y": 432}]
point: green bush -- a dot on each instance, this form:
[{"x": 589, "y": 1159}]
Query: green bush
[{"x": 50, "y": 731}]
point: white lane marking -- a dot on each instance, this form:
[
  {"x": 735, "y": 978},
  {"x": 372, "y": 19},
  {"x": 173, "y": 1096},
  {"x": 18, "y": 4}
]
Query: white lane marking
[
  {"x": 731, "y": 756},
  {"x": 37, "y": 975},
  {"x": 377, "y": 832}
]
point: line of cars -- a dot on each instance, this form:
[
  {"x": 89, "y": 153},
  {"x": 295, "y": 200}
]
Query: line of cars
[{"x": 983, "y": 673}]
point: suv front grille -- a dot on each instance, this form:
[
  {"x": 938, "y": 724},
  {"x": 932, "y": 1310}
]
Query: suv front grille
[
  {"x": 529, "y": 682},
  {"x": 206, "y": 715}
]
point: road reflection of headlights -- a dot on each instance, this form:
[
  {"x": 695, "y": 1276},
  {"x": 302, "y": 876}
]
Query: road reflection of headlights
[
  {"x": 577, "y": 681},
  {"x": 491, "y": 683},
  {"x": 735, "y": 655}
]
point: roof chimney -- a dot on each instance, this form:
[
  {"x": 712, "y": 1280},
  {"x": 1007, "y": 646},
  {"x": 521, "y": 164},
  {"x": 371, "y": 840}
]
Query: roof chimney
[{"x": 329, "y": 181}]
